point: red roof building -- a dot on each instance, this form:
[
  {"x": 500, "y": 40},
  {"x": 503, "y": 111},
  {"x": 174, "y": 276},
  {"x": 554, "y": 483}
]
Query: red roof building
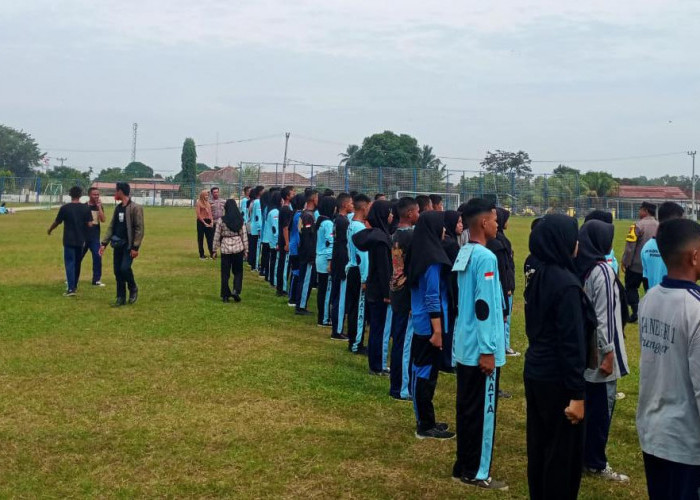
[{"x": 652, "y": 193}]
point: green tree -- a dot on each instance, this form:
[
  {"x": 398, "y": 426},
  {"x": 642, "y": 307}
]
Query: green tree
[
  {"x": 201, "y": 167},
  {"x": 138, "y": 170},
  {"x": 428, "y": 160},
  {"x": 19, "y": 152},
  {"x": 600, "y": 184},
  {"x": 65, "y": 174},
  {"x": 348, "y": 157},
  {"x": 113, "y": 174},
  {"x": 506, "y": 162},
  {"x": 388, "y": 150},
  {"x": 565, "y": 170},
  {"x": 189, "y": 162}
]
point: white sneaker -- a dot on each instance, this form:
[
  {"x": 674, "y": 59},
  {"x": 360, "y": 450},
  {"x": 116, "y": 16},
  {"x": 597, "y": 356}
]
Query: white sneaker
[
  {"x": 512, "y": 352},
  {"x": 608, "y": 474},
  {"x": 620, "y": 395},
  {"x": 98, "y": 283}
]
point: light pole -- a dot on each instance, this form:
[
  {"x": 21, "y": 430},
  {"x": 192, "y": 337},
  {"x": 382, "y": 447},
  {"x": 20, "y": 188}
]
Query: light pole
[{"x": 692, "y": 180}]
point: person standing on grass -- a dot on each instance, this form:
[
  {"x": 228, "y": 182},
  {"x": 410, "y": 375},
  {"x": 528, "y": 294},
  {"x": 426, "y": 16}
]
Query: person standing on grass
[
  {"x": 255, "y": 218},
  {"x": 285, "y": 220},
  {"x": 641, "y": 232},
  {"x": 426, "y": 261},
  {"x": 453, "y": 230},
  {"x": 307, "y": 251},
  {"x": 125, "y": 234},
  {"x": 339, "y": 260},
  {"x": 92, "y": 236},
  {"x": 264, "y": 243},
  {"x": 356, "y": 271},
  {"x": 401, "y": 324},
  {"x": 668, "y": 414},
  {"x": 205, "y": 224},
  {"x": 606, "y": 217},
  {"x": 272, "y": 230},
  {"x": 231, "y": 239},
  {"x": 76, "y": 219},
  {"x": 479, "y": 348},
  {"x": 298, "y": 203},
  {"x": 607, "y": 359},
  {"x": 217, "y": 205},
  {"x": 324, "y": 252},
  {"x": 376, "y": 241},
  {"x": 558, "y": 320},
  {"x": 653, "y": 267}
]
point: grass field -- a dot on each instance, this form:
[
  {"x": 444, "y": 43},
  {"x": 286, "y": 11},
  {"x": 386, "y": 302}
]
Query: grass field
[{"x": 180, "y": 395}]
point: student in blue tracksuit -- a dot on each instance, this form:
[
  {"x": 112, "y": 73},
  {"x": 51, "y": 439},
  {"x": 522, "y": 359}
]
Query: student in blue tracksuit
[
  {"x": 401, "y": 324},
  {"x": 479, "y": 347},
  {"x": 653, "y": 267},
  {"x": 255, "y": 218},
  {"x": 606, "y": 217},
  {"x": 453, "y": 231},
  {"x": 324, "y": 252},
  {"x": 427, "y": 263},
  {"x": 272, "y": 230},
  {"x": 244, "y": 206},
  {"x": 297, "y": 206},
  {"x": 376, "y": 241},
  {"x": 307, "y": 251},
  {"x": 264, "y": 246},
  {"x": 338, "y": 262},
  {"x": 356, "y": 272}
]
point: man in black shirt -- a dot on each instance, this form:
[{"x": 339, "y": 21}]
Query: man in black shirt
[
  {"x": 285, "y": 219},
  {"x": 76, "y": 219},
  {"x": 339, "y": 260},
  {"x": 92, "y": 235}
]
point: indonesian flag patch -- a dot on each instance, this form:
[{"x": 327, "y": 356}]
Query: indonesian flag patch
[{"x": 489, "y": 275}]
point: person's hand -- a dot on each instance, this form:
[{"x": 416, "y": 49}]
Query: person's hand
[
  {"x": 49, "y": 232},
  {"x": 101, "y": 251},
  {"x": 510, "y": 294},
  {"x": 575, "y": 411},
  {"x": 606, "y": 367},
  {"x": 134, "y": 254},
  {"x": 364, "y": 287},
  {"x": 487, "y": 363},
  {"x": 286, "y": 247},
  {"x": 387, "y": 301},
  {"x": 436, "y": 340}
]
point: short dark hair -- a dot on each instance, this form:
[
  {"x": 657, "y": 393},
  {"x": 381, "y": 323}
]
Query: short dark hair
[
  {"x": 600, "y": 215},
  {"x": 435, "y": 199},
  {"x": 93, "y": 188},
  {"x": 474, "y": 207},
  {"x": 405, "y": 204},
  {"x": 673, "y": 237},
  {"x": 379, "y": 195},
  {"x": 328, "y": 192},
  {"x": 214, "y": 188},
  {"x": 309, "y": 193},
  {"x": 535, "y": 222},
  {"x": 285, "y": 191},
  {"x": 75, "y": 192},
  {"x": 124, "y": 188},
  {"x": 342, "y": 198},
  {"x": 669, "y": 210},
  {"x": 246, "y": 190},
  {"x": 360, "y": 198},
  {"x": 353, "y": 193},
  {"x": 649, "y": 207},
  {"x": 423, "y": 202}
]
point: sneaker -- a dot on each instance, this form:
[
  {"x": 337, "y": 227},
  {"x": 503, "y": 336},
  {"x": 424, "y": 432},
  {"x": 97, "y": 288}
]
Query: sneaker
[
  {"x": 119, "y": 302},
  {"x": 608, "y": 474},
  {"x": 386, "y": 372},
  {"x": 302, "y": 312},
  {"x": 442, "y": 426},
  {"x": 504, "y": 394},
  {"x": 362, "y": 351},
  {"x": 435, "y": 433},
  {"x": 133, "y": 295},
  {"x": 339, "y": 336},
  {"x": 512, "y": 352},
  {"x": 98, "y": 283},
  {"x": 399, "y": 398},
  {"x": 324, "y": 325},
  {"x": 620, "y": 395},
  {"x": 378, "y": 374},
  {"x": 281, "y": 294},
  {"x": 69, "y": 293},
  {"x": 486, "y": 484},
  {"x": 236, "y": 297},
  {"x": 291, "y": 305},
  {"x": 202, "y": 258}
]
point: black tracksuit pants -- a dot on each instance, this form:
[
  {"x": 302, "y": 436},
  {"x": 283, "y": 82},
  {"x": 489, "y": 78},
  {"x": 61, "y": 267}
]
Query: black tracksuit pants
[
  {"x": 122, "y": 271},
  {"x": 666, "y": 479},
  {"x": 477, "y": 398},
  {"x": 231, "y": 264},
  {"x": 253, "y": 251},
  {"x": 323, "y": 298},
  {"x": 424, "y": 377},
  {"x": 281, "y": 270},
  {"x": 554, "y": 445},
  {"x": 632, "y": 282},
  {"x": 264, "y": 259},
  {"x": 355, "y": 309},
  {"x": 205, "y": 232}
]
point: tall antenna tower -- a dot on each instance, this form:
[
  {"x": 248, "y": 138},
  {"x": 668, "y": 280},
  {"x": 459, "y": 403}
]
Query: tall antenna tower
[{"x": 133, "y": 143}]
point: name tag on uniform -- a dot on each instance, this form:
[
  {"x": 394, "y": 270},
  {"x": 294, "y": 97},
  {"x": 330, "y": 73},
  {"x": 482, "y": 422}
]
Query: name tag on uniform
[
  {"x": 465, "y": 253},
  {"x": 121, "y": 217}
]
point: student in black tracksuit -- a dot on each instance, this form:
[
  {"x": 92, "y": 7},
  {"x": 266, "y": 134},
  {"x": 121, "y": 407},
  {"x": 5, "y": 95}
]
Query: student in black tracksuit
[
  {"x": 377, "y": 243},
  {"x": 503, "y": 250},
  {"x": 339, "y": 260},
  {"x": 285, "y": 219},
  {"x": 307, "y": 251},
  {"x": 453, "y": 230}
]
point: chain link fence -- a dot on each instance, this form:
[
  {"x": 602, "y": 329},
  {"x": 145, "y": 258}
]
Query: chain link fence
[{"x": 527, "y": 195}]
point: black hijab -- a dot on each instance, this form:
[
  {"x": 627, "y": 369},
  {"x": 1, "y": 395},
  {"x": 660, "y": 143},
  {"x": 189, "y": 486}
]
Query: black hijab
[
  {"x": 378, "y": 216},
  {"x": 298, "y": 202},
  {"x": 601, "y": 215},
  {"x": 232, "y": 216},
  {"x": 426, "y": 246},
  {"x": 502, "y": 216},
  {"x": 326, "y": 209},
  {"x": 552, "y": 243},
  {"x": 451, "y": 243},
  {"x": 595, "y": 240}
]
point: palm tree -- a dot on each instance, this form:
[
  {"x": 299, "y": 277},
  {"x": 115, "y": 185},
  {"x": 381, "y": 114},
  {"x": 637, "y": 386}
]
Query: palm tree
[
  {"x": 349, "y": 155},
  {"x": 428, "y": 160},
  {"x": 600, "y": 184}
]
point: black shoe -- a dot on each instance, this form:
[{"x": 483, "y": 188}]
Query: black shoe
[
  {"x": 442, "y": 426},
  {"x": 69, "y": 293},
  {"x": 133, "y": 295},
  {"x": 378, "y": 374},
  {"x": 281, "y": 294},
  {"x": 399, "y": 398},
  {"x": 339, "y": 336},
  {"x": 633, "y": 318},
  {"x": 487, "y": 484},
  {"x": 224, "y": 299},
  {"x": 119, "y": 302},
  {"x": 504, "y": 394},
  {"x": 236, "y": 297},
  {"x": 302, "y": 312},
  {"x": 362, "y": 351},
  {"x": 435, "y": 433}
]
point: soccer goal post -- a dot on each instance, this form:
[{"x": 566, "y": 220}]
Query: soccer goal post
[{"x": 449, "y": 200}]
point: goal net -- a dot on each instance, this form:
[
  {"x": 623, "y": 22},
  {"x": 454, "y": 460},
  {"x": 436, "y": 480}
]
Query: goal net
[
  {"x": 449, "y": 200},
  {"x": 53, "y": 195}
]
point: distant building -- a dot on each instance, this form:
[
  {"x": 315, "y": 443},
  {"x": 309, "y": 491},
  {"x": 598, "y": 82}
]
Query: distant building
[{"x": 229, "y": 175}]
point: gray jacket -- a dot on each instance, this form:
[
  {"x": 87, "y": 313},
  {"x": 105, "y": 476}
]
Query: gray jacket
[
  {"x": 134, "y": 225},
  {"x": 639, "y": 234},
  {"x": 605, "y": 296}
]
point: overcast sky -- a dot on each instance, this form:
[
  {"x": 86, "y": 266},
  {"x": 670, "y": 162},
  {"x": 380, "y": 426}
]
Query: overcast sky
[{"x": 562, "y": 80}]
